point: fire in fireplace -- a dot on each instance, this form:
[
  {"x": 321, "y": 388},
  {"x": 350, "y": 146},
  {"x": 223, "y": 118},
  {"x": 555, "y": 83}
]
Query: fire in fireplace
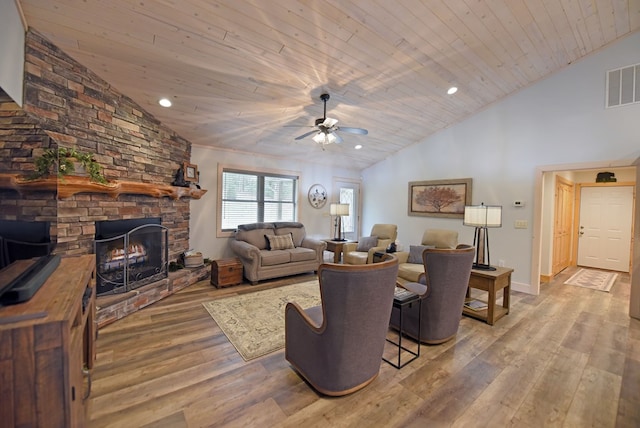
[{"x": 129, "y": 254}]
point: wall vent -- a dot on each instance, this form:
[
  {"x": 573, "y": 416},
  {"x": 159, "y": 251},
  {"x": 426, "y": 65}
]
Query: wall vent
[{"x": 623, "y": 86}]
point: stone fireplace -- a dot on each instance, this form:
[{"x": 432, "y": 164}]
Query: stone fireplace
[{"x": 67, "y": 105}]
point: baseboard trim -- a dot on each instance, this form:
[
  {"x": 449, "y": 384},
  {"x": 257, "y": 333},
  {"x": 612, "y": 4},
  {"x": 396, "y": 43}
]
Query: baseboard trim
[{"x": 522, "y": 288}]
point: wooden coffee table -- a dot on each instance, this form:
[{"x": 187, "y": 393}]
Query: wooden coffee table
[{"x": 490, "y": 281}]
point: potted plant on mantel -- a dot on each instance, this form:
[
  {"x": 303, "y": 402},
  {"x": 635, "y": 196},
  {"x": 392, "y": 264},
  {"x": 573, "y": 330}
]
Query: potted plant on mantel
[{"x": 68, "y": 162}]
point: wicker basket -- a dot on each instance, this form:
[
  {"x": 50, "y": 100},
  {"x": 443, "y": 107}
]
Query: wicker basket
[{"x": 193, "y": 260}]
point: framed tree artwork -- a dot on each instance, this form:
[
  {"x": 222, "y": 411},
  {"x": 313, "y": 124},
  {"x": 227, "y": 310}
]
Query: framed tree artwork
[
  {"x": 190, "y": 172},
  {"x": 439, "y": 198}
]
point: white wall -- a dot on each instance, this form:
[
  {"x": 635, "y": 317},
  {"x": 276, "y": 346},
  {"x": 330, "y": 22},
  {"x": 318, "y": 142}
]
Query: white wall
[
  {"x": 11, "y": 50},
  {"x": 559, "y": 120},
  {"x": 202, "y": 235}
]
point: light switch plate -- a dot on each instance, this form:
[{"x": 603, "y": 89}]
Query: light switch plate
[{"x": 521, "y": 224}]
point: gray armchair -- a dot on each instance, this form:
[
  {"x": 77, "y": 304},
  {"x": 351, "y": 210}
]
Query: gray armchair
[
  {"x": 359, "y": 253},
  {"x": 337, "y": 346},
  {"x": 443, "y": 288},
  {"x": 410, "y": 265}
]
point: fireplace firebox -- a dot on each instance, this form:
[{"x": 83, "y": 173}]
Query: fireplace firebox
[{"x": 129, "y": 254}]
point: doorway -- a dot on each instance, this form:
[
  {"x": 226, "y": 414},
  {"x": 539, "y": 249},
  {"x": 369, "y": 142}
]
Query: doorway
[{"x": 543, "y": 224}]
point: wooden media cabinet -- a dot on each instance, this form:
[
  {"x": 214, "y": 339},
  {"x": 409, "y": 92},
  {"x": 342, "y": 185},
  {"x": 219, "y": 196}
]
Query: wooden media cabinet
[{"x": 48, "y": 349}]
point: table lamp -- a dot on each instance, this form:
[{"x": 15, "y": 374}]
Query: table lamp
[
  {"x": 338, "y": 210},
  {"x": 482, "y": 217}
]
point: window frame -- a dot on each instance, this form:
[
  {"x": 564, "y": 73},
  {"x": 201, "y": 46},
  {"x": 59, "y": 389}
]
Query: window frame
[{"x": 295, "y": 175}]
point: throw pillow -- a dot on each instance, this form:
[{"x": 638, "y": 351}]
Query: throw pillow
[
  {"x": 279, "y": 242},
  {"x": 415, "y": 253},
  {"x": 366, "y": 243}
]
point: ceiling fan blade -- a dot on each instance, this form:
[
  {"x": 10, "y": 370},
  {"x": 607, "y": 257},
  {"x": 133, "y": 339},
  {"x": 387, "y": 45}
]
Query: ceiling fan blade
[
  {"x": 306, "y": 134},
  {"x": 350, "y": 130}
]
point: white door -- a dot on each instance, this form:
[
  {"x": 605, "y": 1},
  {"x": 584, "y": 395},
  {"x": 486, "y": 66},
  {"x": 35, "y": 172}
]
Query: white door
[
  {"x": 604, "y": 239},
  {"x": 348, "y": 192}
]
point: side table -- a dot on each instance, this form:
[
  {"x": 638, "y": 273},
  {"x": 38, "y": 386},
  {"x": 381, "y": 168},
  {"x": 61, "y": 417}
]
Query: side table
[
  {"x": 336, "y": 248},
  {"x": 405, "y": 298},
  {"x": 490, "y": 281}
]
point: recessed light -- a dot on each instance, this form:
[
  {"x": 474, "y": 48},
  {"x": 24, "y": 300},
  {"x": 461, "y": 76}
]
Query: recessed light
[
  {"x": 452, "y": 90},
  {"x": 358, "y": 147},
  {"x": 165, "y": 102}
]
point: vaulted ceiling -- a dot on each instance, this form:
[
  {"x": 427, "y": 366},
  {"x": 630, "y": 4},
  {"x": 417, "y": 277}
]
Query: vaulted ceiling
[{"x": 247, "y": 75}]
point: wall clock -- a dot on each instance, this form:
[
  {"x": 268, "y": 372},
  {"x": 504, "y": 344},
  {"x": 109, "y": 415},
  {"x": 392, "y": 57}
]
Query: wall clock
[{"x": 317, "y": 196}]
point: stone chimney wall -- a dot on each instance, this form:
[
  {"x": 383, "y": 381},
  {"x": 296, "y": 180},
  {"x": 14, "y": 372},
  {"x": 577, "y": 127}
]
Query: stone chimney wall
[
  {"x": 20, "y": 137},
  {"x": 75, "y": 108}
]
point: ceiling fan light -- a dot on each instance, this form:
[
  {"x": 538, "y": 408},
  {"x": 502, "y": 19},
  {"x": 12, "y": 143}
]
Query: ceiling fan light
[
  {"x": 319, "y": 138},
  {"x": 331, "y": 138}
]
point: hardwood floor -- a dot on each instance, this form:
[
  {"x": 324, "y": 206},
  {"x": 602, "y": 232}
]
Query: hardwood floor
[{"x": 569, "y": 357}]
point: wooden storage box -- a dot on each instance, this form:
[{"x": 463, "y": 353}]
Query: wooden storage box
[{"x": 226, "y": 272}]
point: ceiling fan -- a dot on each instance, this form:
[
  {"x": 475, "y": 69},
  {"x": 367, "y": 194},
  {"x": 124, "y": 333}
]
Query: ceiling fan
[{"x": 327, "y": 127}]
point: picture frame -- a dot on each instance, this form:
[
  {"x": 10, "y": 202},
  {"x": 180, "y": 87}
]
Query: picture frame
[
  {"x": 190, "y": 172},
  {"x": 439, "y": 198}
]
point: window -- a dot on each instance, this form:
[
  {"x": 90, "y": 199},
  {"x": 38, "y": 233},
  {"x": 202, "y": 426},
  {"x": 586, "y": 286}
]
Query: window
[{"x": 249, "y": 197}]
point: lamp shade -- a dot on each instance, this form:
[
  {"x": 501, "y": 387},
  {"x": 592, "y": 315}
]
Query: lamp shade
[
  {"x": 339, "y": 209},
  {"x": 483, "y": 215}
]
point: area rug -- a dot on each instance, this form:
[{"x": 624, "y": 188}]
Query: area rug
[
  {"x": 254, "y": 322},
  {"x": 594, "y": 279}
]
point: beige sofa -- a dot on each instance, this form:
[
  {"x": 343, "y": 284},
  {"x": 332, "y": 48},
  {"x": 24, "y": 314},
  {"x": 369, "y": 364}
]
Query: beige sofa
[
  {"x": 272, "y": 250},
  {"x": 410, "y": 262},
  {"x": 361, "y": 252}
]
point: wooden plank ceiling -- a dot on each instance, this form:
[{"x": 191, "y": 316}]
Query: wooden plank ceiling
[{"x": 247, "y": 75}]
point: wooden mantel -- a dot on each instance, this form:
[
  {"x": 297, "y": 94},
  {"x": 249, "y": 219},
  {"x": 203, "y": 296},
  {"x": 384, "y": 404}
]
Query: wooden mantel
[{"x": 71, "y": 185}]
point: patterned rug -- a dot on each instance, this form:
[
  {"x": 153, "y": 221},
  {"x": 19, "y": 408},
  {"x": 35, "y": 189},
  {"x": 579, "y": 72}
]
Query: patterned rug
[
  {"x": 254, "y": 322},
  {"x": 594, "y": 279}
]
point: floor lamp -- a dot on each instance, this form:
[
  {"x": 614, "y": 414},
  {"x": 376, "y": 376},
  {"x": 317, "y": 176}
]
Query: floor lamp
[
  {"x": 339, "y": 210},
  {"x": 482, "y": 217}
]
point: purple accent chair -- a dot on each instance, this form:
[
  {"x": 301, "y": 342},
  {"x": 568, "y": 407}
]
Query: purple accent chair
[
  {"x": 337, "y": 346},
  {"x": 443, "y": 288}
]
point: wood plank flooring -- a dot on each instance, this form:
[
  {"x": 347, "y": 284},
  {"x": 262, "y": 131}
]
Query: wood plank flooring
[{"x": 569, "y": 357}]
